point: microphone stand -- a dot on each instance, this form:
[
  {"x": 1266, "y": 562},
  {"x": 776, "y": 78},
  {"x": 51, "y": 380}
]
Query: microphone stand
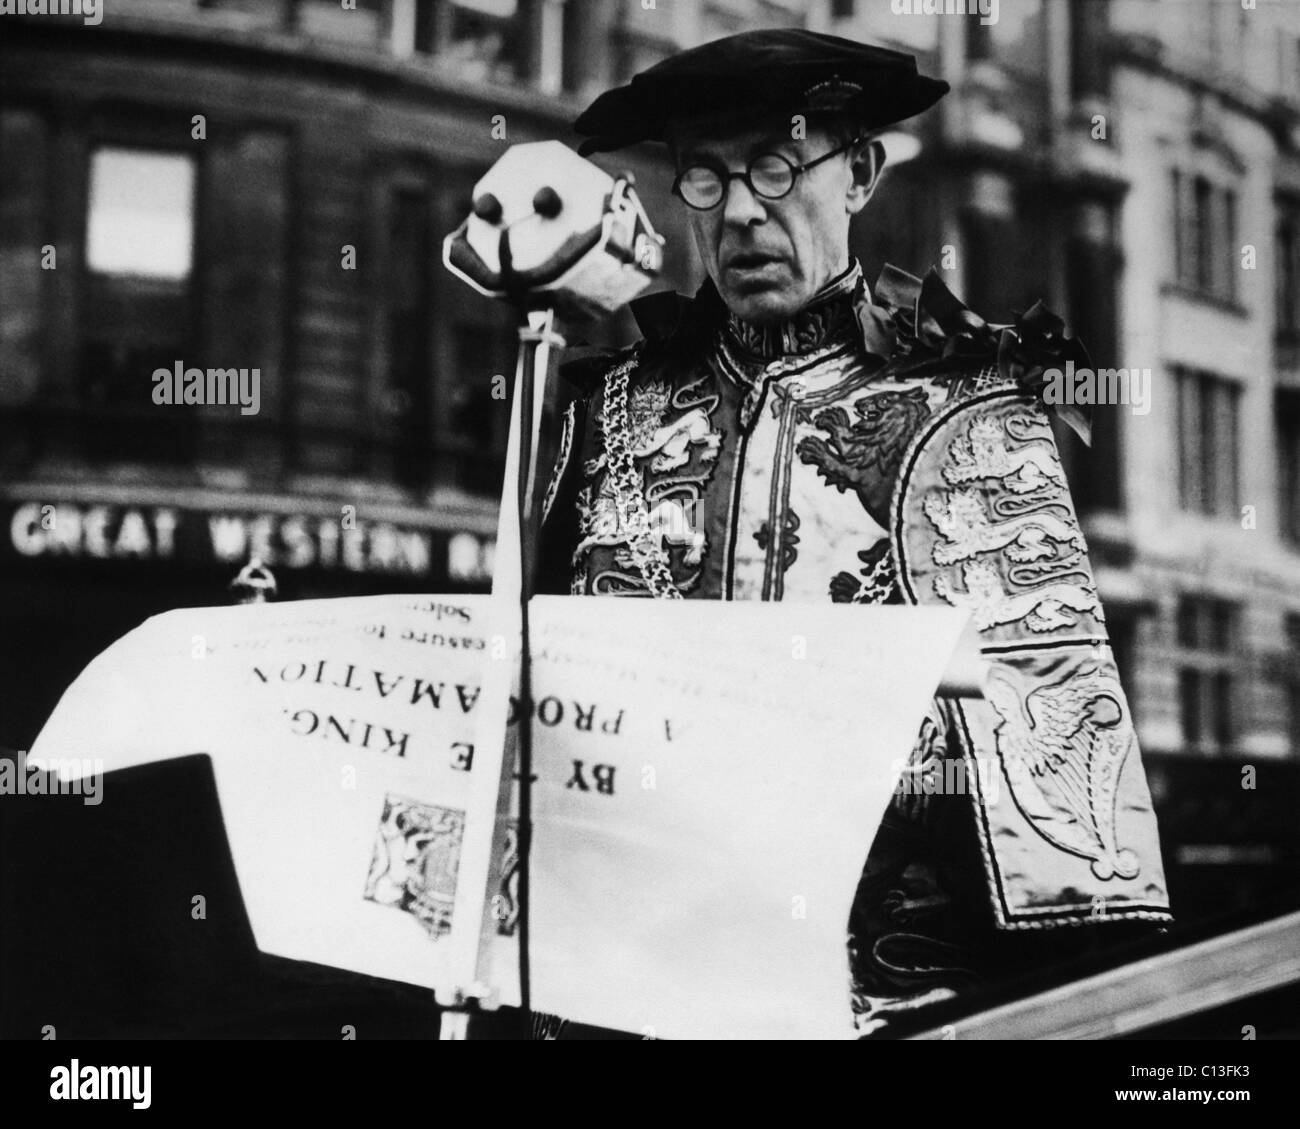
[
  {"x": 536, "y": 337},
  {"x": 588, "y": 247}
]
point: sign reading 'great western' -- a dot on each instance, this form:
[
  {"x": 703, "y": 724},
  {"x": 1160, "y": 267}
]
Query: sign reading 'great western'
[{"x": 105, "y": 531}]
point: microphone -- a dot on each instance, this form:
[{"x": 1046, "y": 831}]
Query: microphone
[{"x": 551, "y": 230}]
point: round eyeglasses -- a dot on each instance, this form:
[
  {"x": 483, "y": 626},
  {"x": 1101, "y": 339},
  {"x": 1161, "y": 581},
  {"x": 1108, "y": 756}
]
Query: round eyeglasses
[{"x": 768, "y": 176}]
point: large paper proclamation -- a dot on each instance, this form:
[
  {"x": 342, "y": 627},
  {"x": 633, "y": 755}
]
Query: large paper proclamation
[{"x": 709, "y": 777}]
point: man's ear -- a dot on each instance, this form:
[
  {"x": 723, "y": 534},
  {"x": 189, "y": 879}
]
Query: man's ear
[{"x": 867, "y": 162}]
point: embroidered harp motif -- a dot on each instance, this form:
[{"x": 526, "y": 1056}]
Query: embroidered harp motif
[{"x": 1062, "y": 748}]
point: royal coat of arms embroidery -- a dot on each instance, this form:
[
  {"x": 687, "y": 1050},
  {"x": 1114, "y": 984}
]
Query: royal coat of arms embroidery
[{"x": 983, "y": 519}]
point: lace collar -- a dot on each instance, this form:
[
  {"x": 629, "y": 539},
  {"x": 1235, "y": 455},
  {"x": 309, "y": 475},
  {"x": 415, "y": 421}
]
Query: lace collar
[{"x": 828, "y": 319}]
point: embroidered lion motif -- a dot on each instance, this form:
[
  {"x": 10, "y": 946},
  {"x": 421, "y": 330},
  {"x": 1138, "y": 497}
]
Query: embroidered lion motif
[
  {"x": 648, "y": 435},
  {"x": 864, "y": 454},
  {"x": 602, "y": 524},
  {"x": 1042, "y": 610},
  {"x": 983, "y": 453},
  {"x": 670, "y": 444},
  {"x": 965, "y": 526}
]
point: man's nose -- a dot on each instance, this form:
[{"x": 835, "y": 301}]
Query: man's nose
[{"x": 740, "y": 205}]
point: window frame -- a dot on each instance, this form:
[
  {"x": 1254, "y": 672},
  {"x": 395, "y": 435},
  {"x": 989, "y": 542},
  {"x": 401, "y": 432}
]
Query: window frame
[
  {"x": 95, "y": 148},
  {"x": 1205, "y": 219},
  {"x": 122, "y": 126},
  {"x": 1207, "y": 418},
  {"x": 1207, "y": 648}
]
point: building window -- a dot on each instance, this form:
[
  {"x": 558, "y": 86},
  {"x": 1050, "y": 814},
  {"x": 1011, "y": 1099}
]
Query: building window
[
  {"x": 404, "y": 298},
  {"x": 140, "y": 218},
  {"x": 1292, "y": 675},
  {"x": 137, "y": 312},
  {"x": 478, "y": 414},
  {"x": 1205, "y": 236},
  {"x": 358, "y": 24},
  {"x": 1207, "y": 443},
  {"x": 1089, "y": 65},
  {"x": 1015, "y": 40},
  {"x": 1288, "y": 429},
  {"x": 1207, "y": 646},
  {"x": 479, "y": 39},
  {"x": 1121, "y": 627},
  {"x": 1182, "y": 261},
  {"x": 1202, "y": 274},
  {"x": 1287, "y": 275}
]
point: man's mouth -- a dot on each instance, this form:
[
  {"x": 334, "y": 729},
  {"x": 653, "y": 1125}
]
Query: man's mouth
[{"x": 750, "y": 261}]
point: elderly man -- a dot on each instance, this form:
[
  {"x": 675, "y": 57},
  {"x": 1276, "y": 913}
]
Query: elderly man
[{"x": 788, "y": 434}]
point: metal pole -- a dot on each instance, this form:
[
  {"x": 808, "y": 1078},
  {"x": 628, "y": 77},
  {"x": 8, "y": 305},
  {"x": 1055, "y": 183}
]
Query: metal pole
[
  {"x": 535, "y": 341},
  {"x": 536, "y": 337}
]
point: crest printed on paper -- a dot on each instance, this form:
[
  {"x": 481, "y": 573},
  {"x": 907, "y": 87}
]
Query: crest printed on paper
[{"x": 416, "y": 860}]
